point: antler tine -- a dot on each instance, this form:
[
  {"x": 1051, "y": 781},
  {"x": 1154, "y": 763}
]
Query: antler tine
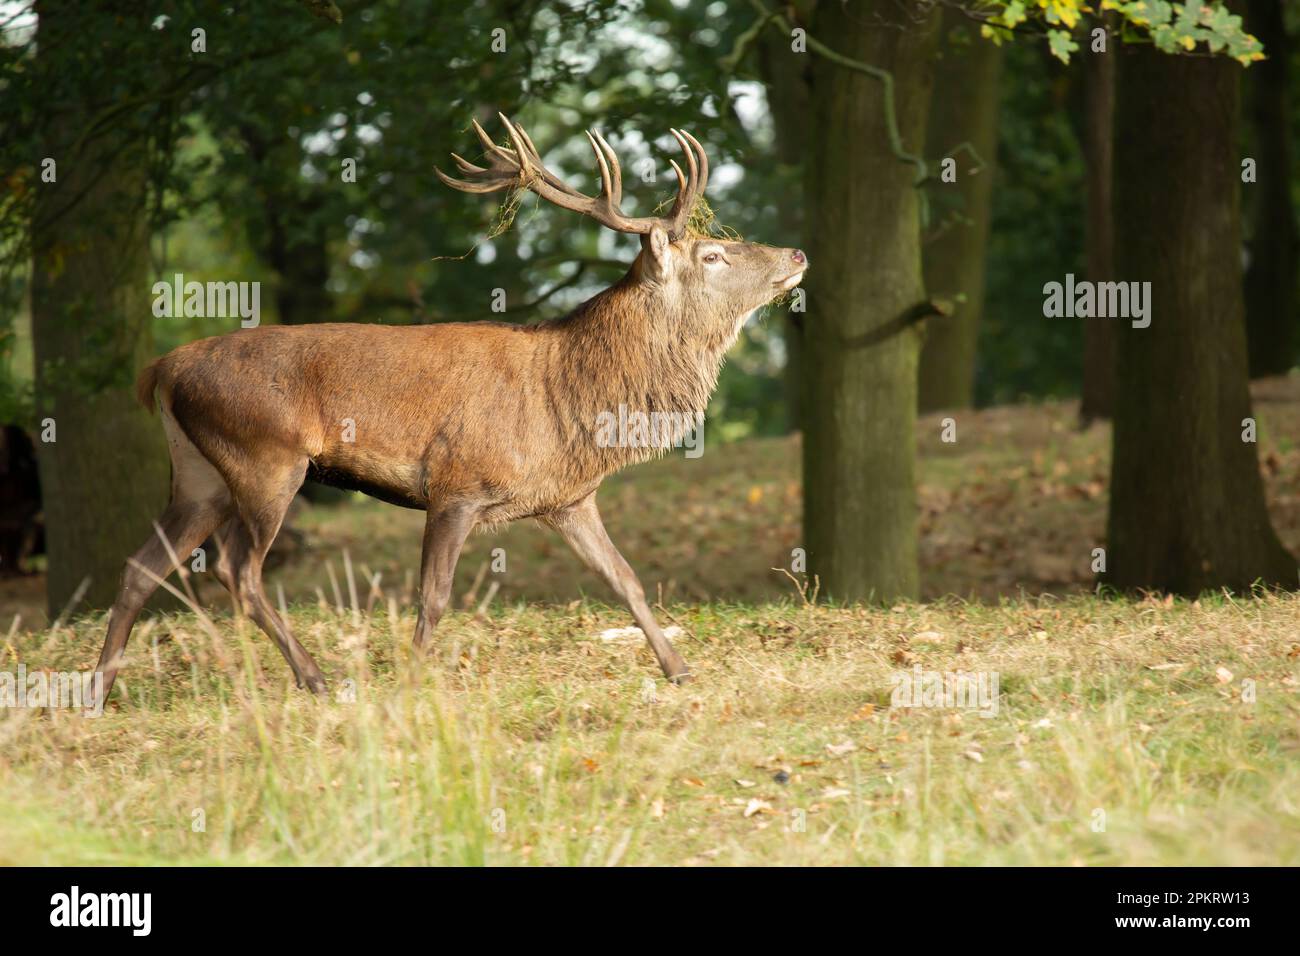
[
  {"x": 616, "y": 197},
  {"x": 494, "y": 151},
  {"x": 488, "y": 185},
  {"x": 533, "y": 154},
  {"x": 606, "y": 183},
  {"x": 704, "y": 160},
  {"x": 691, "y": 162},
  {"x": 521, "y": 153},
  {"x": 682, "y": 184},
  {"x": 688, "y": 187},
  {"x": 528, "y": 140},
  {"x": 466, "y": 166}
]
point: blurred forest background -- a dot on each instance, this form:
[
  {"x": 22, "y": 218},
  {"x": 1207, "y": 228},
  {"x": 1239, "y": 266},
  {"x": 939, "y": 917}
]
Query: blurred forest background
[{"x": 211, "y": 140}]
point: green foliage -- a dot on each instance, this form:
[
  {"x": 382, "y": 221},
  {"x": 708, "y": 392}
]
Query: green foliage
[{"x": 1172, "y": 27}]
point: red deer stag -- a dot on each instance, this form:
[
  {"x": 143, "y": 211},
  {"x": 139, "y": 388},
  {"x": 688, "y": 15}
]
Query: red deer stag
[{"x": 474, "y": 423}]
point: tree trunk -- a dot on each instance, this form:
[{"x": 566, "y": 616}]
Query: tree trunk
[
  {"x": 292, "y": 240},
  {"x": 1187, "y": 508},
  {"x": 301, "y": 263},
  {"x": 1098, "y": 134},
  {"x": 1272, "y": 322},
  {"x": 864, "y": 284},
  {"x": 964, "y": 108},
  {"x": 785, "y": 76},
  {"x": 104, "y": 478}
]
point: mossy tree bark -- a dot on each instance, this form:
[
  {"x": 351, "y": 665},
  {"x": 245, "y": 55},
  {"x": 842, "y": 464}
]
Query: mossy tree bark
[
  {"x": 864, "y": 285},
  {"x": 1187, "y": 509},
  {"x": 104, "y": 478},
  {"x": 964, "y": 108}
]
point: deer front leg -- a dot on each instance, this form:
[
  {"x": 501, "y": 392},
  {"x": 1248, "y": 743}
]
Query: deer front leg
[
  {"x": 445, "y": 531},
  {"x": 581, "y": 527}
]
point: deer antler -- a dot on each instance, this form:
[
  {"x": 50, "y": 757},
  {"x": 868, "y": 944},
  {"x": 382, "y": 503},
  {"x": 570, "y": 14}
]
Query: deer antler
[{"x": 522, "y": 166}]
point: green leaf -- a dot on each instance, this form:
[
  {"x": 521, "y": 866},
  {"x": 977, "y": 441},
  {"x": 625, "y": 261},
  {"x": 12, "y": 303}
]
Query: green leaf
[{"x": 1062, "y": 44}]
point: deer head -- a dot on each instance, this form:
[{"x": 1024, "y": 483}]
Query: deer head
[{"x": 698, "y": 286}]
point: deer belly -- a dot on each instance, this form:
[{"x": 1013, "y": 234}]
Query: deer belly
[{"x": 397, "y": 482}]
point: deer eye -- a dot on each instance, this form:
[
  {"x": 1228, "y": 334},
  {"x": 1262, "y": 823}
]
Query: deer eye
[{"x": 712, "y": 257}]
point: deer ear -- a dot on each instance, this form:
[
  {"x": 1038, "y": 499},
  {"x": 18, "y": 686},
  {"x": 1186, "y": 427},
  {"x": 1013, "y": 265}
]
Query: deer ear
[{"x": 656, "y": 253}]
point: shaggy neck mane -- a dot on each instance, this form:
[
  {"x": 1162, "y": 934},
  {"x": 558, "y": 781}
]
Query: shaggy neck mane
[{"x": 629, "y": 346}]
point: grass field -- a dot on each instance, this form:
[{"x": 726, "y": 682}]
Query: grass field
[{"x": 1150, "y": 731}]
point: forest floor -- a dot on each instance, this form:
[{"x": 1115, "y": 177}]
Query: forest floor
[{"x": 1150, "y": 731}]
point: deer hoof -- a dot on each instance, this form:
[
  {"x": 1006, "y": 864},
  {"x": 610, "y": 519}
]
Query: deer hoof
[{"x": 314, "y": 683}]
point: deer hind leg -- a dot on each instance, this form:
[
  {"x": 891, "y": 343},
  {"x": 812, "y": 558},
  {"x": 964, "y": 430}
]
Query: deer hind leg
[
  {"x": 581, "y": 527},
  {"x": 228, "y": 539},
  {"x": 200, "y": 501},
  {"x": 261, "y": 503}
]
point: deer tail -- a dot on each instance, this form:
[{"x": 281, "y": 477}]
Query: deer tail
[{"x": 146, "y": 384}]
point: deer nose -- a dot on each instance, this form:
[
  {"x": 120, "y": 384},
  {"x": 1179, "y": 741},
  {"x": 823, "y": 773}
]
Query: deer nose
[{"x": 799, "y": 257}]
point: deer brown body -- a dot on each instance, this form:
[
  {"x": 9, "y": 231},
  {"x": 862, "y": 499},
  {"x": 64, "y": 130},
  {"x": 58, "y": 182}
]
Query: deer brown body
[{"x": 475, "y": 423}]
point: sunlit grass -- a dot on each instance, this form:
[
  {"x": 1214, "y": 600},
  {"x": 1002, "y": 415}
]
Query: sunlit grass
[
  {"x": 1122, "y": 737},
  {"x": 1124, "y": 733}
]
